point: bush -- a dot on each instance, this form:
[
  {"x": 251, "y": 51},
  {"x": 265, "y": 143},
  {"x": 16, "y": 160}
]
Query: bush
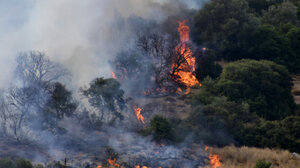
[
  {"x": 23, "y": 163},
  {"x": 161, "y": 128},
  {"x": 39, "y": 166},
  {"x": 264, "y": 85},
  {"x": 262, "y": 164}
]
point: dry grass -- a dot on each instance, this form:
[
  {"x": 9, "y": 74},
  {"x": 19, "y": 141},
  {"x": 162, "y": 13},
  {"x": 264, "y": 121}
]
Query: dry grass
[{"x": 246, "y": 157}]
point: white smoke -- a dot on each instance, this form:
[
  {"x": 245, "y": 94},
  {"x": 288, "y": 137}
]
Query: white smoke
[{"x": 79, "y": 34}]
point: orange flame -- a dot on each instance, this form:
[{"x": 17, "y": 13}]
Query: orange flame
[
  {"x": 99, "y": 166},
  {"x": 138, "y": 114},
  {"x": 113, "y": 75},
  {"x": 186, "y": 69},
  {"x": 214, "y": 159},
  {"x": 112, "y": 162}
]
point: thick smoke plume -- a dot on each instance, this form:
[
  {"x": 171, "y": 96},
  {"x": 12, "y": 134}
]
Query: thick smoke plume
[{"x": 82, "y": 35}]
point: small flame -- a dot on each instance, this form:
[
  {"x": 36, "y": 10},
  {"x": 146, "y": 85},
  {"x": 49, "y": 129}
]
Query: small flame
[
  {"x": 214, "y": 159},
  {"x": 99, "y": 166},
  {"x": 138, "y": 114},
  {"x": 112, "y": 162},
  {"x": 113, "y": 75}
]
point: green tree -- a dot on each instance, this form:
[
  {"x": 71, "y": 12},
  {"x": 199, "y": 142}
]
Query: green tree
[
  {"x": 60, "y": 104},
  {"x": 23, "y": 163},
  {"x": 264, "y": 85},
  {"x": 6, "y": 163},
  {"x": 261, "y": 5},
  {"x": 107, "y": 96},
  {"x": 221, "y": 21},
  {"x": 206, "y": 66},
  {"x": 285, "y": 12}
]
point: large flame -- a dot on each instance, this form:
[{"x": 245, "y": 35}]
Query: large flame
[
  {"x": 214, "y": 159},
  {"x": 138, "y": 114},
  {"x": 185, "y": 69}
]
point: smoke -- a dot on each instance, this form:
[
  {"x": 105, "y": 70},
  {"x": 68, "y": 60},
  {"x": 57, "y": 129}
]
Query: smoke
[{"x": 82, "y": 35}]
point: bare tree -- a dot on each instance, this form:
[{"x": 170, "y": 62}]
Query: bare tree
[
  {"x": 35, "y": 67},
  {"x": 23, "y": 100},
  {"x": 34, "y": 73}
]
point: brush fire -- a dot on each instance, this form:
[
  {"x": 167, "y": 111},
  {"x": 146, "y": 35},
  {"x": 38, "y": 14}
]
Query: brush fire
[{"x": 130, "y": 115}]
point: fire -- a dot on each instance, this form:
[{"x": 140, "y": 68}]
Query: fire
[
  {"x": 186, "y": 69},
  {"x": 113, "y": 75},
  {"x": 214, "y": 159},
  {"x": 112, "y": 162},
  {"x": 138, "y": 114},
  {"x": 138, "y": 166}
]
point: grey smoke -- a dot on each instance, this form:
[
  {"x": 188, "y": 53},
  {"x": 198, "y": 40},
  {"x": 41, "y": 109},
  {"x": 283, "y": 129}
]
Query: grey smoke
[{"x": 82, "y": 35}]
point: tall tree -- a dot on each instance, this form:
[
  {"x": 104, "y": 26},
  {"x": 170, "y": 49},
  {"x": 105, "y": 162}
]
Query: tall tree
[{"x": 106, "y": 96}]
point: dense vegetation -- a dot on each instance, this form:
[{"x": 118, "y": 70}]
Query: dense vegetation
[
  {"x": 251, "y": 101},
  {"x": 246, "y": 101},
  {"x": 255, "y": 29}
]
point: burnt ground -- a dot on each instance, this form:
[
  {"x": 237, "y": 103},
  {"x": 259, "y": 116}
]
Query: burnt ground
[{"x": 132, "y": 148}]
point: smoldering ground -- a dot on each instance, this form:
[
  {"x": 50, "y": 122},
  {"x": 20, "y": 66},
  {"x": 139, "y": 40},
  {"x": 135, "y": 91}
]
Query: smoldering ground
[{"x": 83, "y": 37}]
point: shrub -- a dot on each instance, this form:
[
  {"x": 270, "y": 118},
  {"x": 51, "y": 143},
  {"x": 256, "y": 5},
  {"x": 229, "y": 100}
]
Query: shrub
[
  {"x": 161, "y": 128},
  {"x": 23, "y": 163},
  {"x": 264, "y": 85},
  {"x": 262, "y": 164},
  {"x": 39, "y": 166}
]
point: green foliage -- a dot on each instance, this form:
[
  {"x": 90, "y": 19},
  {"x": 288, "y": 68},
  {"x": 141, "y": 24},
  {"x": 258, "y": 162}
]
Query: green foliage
[
  {"x": 39, "y": 166},
  {"x": 264, "y": 85},
  {"x": 214, "y": 122},
  {"x": 6, "y": 163},
  {"x": 215, "y": 117},
  {"x": 285, "y": 12},
  {"x": 262, "y": 164},
  {"x": 60, "y": 104},
  {"x": 251, "y": 29},
  {"x": 261, "y": 5},
  {"x": 105, "y": 94},
  {"x": 221, "y": 21},
  {"x": 161, "y": 128},
  {"x": 206, "y": 66},
  {"x": 23, "y": 163}
]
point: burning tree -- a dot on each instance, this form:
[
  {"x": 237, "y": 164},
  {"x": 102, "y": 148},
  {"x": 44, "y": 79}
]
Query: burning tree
[{"x": 160, "y": 62}]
